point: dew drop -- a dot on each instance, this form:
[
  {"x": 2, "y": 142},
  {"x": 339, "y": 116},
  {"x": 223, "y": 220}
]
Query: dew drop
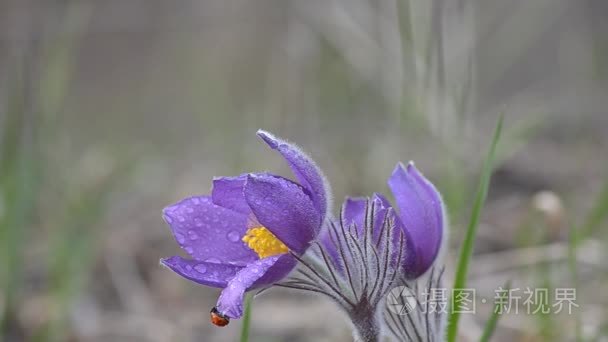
[
  {"x": 189, "y": 250},
  {"x": 200, "y": 268},
  {"x": 196, "y": 201},
  {"x": 233, "y": 236},
  {"x": 180, "y": 238}
]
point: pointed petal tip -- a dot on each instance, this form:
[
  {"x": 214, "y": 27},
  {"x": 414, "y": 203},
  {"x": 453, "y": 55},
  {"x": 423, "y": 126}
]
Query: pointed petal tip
[
  {"x": 166, "y": 214},
  {"x": 268, "y": 138},
  {"x": 167, "y": 262},
  {"x": 409, "y": 168},
  {"x": 354, "y": 199}
]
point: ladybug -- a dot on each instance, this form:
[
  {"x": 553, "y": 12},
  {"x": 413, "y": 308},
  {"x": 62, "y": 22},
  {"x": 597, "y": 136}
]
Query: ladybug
[{"x": 219, "y": 319}]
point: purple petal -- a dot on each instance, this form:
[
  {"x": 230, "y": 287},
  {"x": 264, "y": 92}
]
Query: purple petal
[
  {"x": 332, "y": 244},
  {"x": 209, "y": 232},
  {"x": 260, "y": 273},
  {"x": 383, "y": 201},
  {"x": 201, "y": 272},
  {"x": 421, "y": 212},
  {"x": 305, "y": 170},
  {"x": 228, "y": 193},
  {"x": 283, "y": 208},
  {"x": 353, "y": 211}
]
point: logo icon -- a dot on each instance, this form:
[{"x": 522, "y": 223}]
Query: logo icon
[{"x": 401, "y": 300}]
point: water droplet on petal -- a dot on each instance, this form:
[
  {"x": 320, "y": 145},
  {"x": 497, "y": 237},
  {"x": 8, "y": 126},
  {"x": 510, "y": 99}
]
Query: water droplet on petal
[
  {"x": 196, "y": 201},
  {"x": 192, "y": 235},
  {"x": 234, "y": 236},
  {"x": 200, "y": 268},
  {"x": 189, "y": 250}
]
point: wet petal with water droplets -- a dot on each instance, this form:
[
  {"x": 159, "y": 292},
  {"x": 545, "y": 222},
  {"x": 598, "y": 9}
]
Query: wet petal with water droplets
[
  {"x": 305, "y": 170},
  {"x": 205, "y": 230},
  {"x": 283, "y": 208},
  {"x": 258, "y": 274},
  {"x": 202, "y": 272}
]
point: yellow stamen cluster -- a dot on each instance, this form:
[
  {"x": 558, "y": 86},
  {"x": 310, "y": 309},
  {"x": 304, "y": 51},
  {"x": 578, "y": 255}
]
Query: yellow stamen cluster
[{"x": 263, "y": 242}]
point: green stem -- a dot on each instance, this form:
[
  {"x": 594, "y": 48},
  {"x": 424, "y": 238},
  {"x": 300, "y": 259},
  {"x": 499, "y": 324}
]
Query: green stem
[
  {"x": 466, "y": 251},
  {"x": 246, "y": 318}
]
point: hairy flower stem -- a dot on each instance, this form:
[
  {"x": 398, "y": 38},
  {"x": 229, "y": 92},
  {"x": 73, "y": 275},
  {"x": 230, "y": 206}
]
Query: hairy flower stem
[{"x": 365, "y": 323}]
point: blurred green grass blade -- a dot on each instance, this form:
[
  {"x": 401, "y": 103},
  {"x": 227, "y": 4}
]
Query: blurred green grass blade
[
  {"x": 593, "y": 220},
  {"x": 491, "y": 324},
  {"x": 246, "y": 318},
  {"x": 73, "y": 246},
  {"x": 572, "y": 268},
  {"x": 19, "y": 183},
  {"x": 466, "y": 251},
  {"x": 597, "y": 215},
  {"x": 59, "y": 59}
]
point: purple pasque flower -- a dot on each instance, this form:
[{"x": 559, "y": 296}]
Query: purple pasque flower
[
  {"x": 374, "y": 247},
  {"x": 244, "y": 235}
]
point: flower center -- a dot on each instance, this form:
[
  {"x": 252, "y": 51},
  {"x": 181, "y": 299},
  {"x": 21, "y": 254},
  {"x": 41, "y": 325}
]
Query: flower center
[{"x": 263, "y": 242}]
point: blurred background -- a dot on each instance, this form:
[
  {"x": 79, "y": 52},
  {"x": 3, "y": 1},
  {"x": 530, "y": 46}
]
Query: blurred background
[{"x": 111, "y": 110}]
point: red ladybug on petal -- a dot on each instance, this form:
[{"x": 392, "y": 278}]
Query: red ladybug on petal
[{"x": 218, "y": 319}]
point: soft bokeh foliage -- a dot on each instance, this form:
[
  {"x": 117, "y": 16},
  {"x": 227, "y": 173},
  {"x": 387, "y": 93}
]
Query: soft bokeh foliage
[{"x": 110, "y": 110}]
